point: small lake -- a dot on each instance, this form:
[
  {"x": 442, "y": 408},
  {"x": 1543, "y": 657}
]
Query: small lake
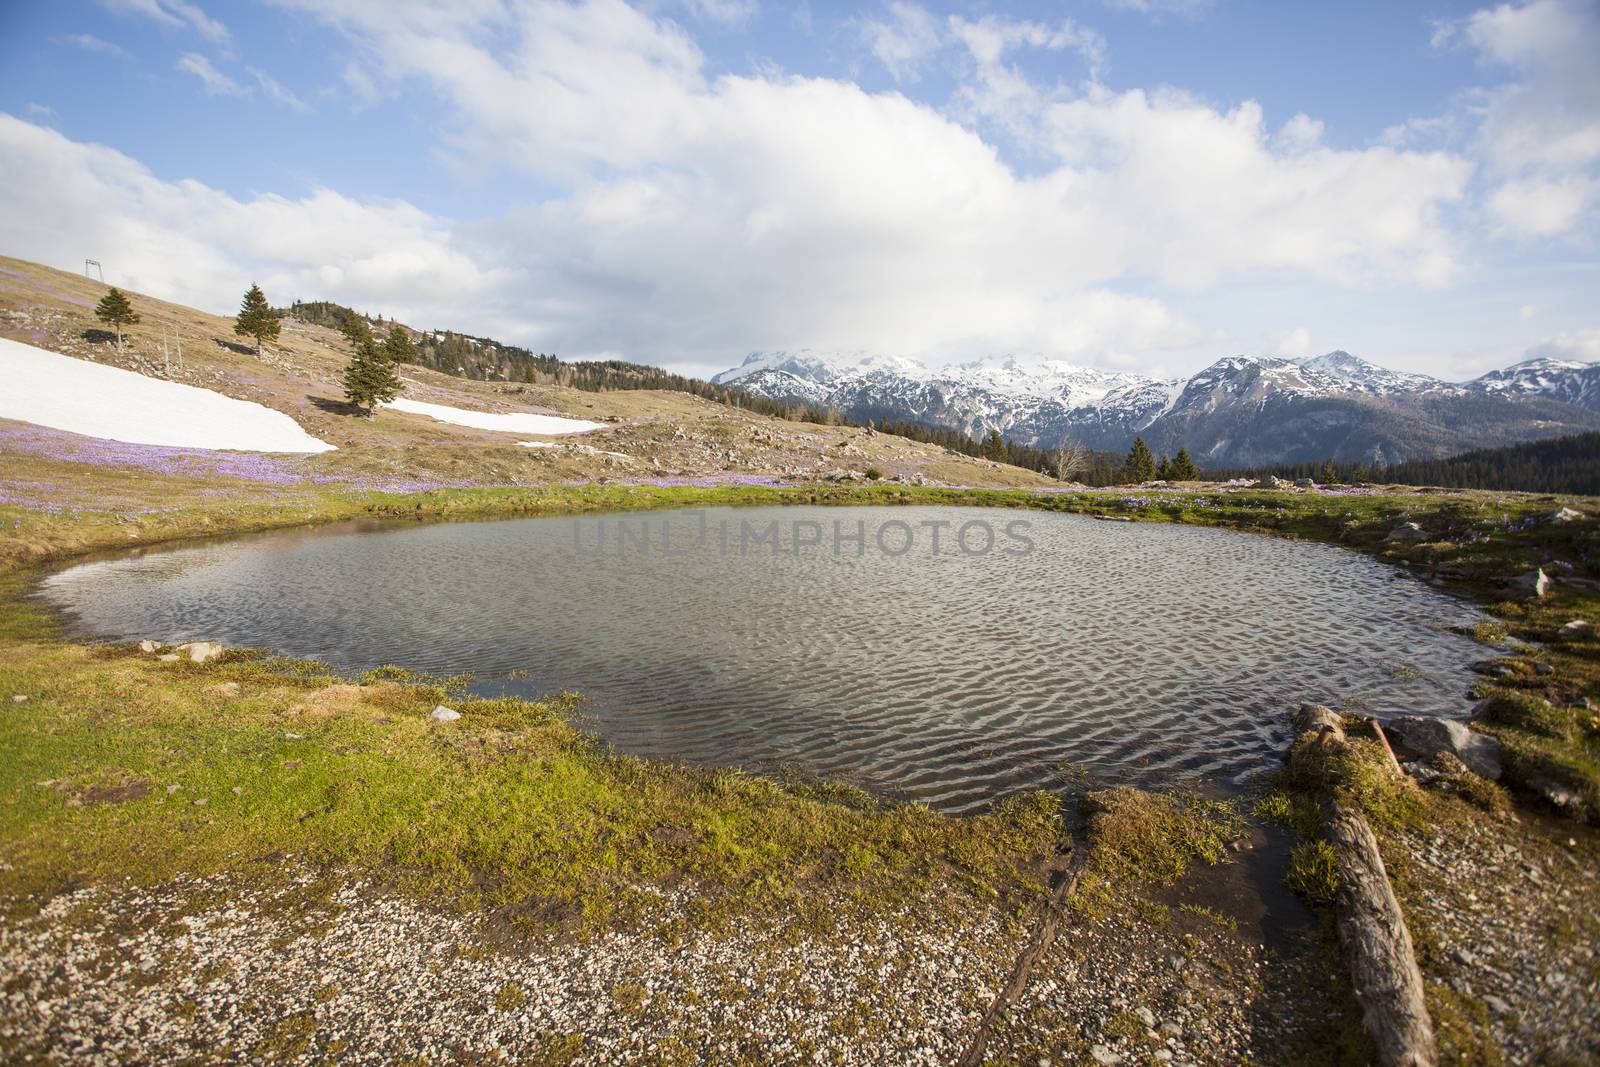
[{"x": 1030, "y": 650}]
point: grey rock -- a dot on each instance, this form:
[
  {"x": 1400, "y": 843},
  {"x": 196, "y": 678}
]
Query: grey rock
[
  {"x": 1103, "y": 1055},
  {"x": 1409, "y": 532},
  {"x": 1496, "y": 1005},
  {"x": 19, "y": 698},
  {"x": 1565, "y": 515},
  {"x": 1269, "y": 482},
  {"x": 1575, "y": 628},
  {"x": 1305, "y": 483},
  {"x": 1422, "y": 737},
  {"x": 444, "y": 714},
  {"x": 147, "y": 646},
  {"x": 1146, "y": 1016}
]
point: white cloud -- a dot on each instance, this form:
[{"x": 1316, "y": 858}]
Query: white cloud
[
  {"x": 186, "y": 242},
  {"x": 1582, "y": 346},
  {"x": 1526, "y": 312},
  {"x": 90, "y": 43},
  {"x": 904, "y": 39},
  {"x": 213, "y": 80},
  {"x": 275, "y": 90},
  {"x": 43, "y": 111},
  {"x": 1186, "y": 8},
  {"x": 1540, "y": 131},
  {"x": 1294, "y": 344},
  {"x": 173, "y": 13},
  {"x": 1538, "y": 207},
  {"x": 698, "y": 217}
]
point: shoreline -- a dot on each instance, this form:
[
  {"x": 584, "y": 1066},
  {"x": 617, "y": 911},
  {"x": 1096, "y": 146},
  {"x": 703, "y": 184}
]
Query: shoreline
[{"x": 1117, "y": 899}]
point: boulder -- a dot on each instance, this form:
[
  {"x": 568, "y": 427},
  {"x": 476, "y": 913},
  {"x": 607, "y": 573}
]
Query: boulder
[
  {"x": 1565, "y": 515},
  {"x": 444, "y": 714},
  {"x": 1423, "y": 737},
  {"x": 148, "y": 646},
  {"x": 1536, "y": 583},
  {"x": 168, "y": 657},
  {"x": 1575, "y": 628},
  {"x": 1409, "y": 532},
  {"x": 201, "y": 651},
  {"x": 1269, "y": 482},
  {"x": 1304, "y": 483}
]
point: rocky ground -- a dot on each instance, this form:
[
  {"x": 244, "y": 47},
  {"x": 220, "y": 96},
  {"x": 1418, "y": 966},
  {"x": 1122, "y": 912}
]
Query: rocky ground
[
  {"x": 207, "y": 969},
  {"x": 1119, "y": 989},
  {"x": 1504, "y": 916}
]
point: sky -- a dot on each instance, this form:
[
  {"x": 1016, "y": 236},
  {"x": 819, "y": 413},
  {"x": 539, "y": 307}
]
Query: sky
[{"x": 1138, "y": 185}]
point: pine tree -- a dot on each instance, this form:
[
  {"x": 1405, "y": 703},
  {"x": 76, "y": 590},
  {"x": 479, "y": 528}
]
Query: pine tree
[
  {"x": 1330, "y": 474},
  {"x": 1164, "y": 468},
  {"x": 369, "y": 377},
  {"x": 398, "y": 346},
  {"x": 116, "y": 311},
  {"x": 1183, "y": 468},
  {"x": 1361, "y": 474},
  {"x": 994, "y": 447},
  {"x": 255, "y": 318},
  {"x": 1141, "y": 465}
]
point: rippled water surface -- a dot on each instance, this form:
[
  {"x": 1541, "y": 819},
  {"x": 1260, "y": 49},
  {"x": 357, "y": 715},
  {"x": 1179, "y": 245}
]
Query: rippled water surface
[{"x": 1121, "y": 652}]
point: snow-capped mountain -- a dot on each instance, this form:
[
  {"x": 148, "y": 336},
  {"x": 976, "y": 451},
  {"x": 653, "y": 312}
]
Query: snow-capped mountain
[
  {"x": 1241, "y": 410},
  {"x": 1559, "y": 379}
]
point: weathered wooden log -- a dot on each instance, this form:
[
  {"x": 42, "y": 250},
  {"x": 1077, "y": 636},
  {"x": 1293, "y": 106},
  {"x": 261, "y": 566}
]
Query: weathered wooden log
[
  {"x": 1372, "y": 930},
  {"x": 1377, "y": 947}
]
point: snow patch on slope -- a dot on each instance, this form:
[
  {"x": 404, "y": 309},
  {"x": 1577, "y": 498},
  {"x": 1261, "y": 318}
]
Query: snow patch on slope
[
  {"x": 505, "y": 422},
  {"x": 95, "y": 400}
]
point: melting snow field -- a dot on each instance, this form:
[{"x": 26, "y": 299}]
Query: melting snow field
[
  {"x": 510, "y": 422},
  {"x": 86, "y": 398}
]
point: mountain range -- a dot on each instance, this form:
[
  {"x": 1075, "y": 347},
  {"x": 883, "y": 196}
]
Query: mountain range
[{"x": 1240, "y": 411}]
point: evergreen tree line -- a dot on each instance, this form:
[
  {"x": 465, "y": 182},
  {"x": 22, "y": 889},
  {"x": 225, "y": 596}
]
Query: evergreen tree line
[{"x": 1568, "y": 464}]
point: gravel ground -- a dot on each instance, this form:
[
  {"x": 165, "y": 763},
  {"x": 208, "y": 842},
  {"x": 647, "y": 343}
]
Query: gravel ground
[
  {"x": 1508, "y": 920},
  {"x": 201, "y": 968},
  {"x": 1122, "y": 990}
]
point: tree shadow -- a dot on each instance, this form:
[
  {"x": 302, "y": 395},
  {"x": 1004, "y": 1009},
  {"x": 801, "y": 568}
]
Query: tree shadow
[
  {"x": 336, "y": 407},
  {"x": 233, "y": 346},
  {"x": 100, "y": 337}
]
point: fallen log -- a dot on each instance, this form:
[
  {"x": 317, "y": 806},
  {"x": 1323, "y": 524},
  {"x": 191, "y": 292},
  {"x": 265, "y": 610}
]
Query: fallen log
[{"x": 1372, "y": 931}]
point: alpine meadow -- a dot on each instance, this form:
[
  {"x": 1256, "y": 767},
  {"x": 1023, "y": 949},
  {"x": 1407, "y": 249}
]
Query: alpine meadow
[{"x": 713, "y": 532}]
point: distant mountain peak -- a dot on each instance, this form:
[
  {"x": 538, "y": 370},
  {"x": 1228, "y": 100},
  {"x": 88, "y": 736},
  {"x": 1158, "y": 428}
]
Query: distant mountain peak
[{"x": 1241, "y": 410}]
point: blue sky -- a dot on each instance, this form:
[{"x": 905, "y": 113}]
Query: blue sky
[{"x": 1135, "y": 184}]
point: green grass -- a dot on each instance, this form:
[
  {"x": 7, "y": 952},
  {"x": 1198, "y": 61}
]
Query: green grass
[
  {"x": 1313, "y": 872},
  {"x": 510, "y": 807},
  {"x": 1149, "y": 839}
]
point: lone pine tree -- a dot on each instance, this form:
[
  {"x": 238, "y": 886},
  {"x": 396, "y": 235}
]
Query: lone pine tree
[
  {"x": 369, "y": 377},
  {"x": 116, "y": 311},
  {"x": 1182, "y": 468},
  {"x": 1141, "y": 465},
  {"x": 255, "y": 318}
]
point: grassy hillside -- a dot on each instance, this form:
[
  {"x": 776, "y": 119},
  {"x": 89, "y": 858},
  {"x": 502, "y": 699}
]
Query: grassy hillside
[{"x": 652, "y": 436}]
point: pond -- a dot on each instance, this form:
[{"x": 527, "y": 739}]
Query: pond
[{"x": 948, "y": 655}]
